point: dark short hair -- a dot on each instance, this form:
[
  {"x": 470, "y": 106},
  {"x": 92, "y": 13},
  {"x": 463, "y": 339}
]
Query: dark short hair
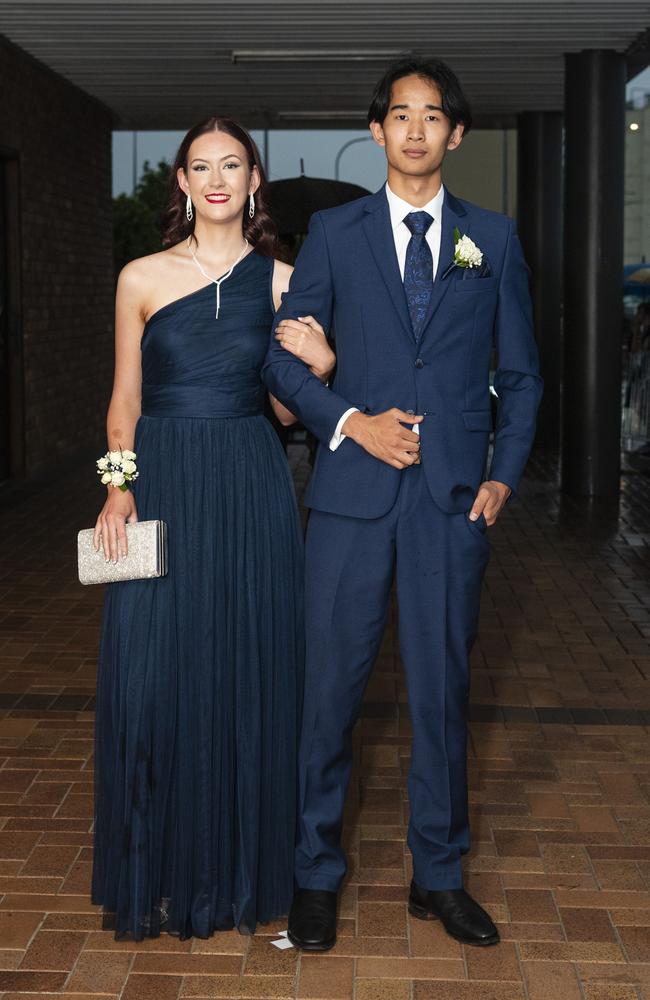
[{"x": 454, "y": 103}]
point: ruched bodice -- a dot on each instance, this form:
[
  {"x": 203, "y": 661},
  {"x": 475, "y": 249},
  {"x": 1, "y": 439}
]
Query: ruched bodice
[
  {"x": 200, "y": 673},
  {"x": 194, "y": 365}
]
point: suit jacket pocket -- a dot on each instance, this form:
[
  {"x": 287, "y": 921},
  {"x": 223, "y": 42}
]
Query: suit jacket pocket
[
  {"x": 476, "y": 284},
  {"x": 477, "y": 420}
]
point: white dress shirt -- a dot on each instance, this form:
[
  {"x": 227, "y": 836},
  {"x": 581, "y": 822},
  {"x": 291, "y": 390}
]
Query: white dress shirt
[{"x": 399, "y": 209}]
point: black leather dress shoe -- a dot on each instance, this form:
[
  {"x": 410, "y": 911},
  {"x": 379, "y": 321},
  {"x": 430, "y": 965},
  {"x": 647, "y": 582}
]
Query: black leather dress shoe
[
  {"x": 461, "y": 916},
  {"x": 312, "y": 920}
]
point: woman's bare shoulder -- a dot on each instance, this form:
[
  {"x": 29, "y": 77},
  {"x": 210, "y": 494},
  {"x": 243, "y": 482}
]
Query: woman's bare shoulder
[{"x": 151, "y": 268}]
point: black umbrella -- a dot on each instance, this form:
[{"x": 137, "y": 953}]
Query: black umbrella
[{"x": 292, "y": 202}]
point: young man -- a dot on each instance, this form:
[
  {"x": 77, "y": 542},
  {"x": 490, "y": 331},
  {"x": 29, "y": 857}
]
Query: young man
[{"x": 399, "y": 483}]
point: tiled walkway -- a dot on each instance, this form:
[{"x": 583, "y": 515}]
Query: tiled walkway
[{"x": 560, "y": 766}]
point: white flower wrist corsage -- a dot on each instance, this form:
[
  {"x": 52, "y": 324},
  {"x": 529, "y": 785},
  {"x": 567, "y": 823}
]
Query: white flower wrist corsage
[{"x": 117, "y": 468}]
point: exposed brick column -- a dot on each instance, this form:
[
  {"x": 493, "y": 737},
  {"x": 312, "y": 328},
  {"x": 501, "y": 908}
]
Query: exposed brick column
[{"x": 62, "y": 139}]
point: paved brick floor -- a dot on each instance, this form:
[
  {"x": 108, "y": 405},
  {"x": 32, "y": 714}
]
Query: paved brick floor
[{"x": 559, "y": 772}]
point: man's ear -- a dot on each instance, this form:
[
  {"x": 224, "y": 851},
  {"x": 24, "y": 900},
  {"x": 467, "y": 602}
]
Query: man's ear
[
  {"x": 456, "y": 136},
  {"x": 377, "y": 133}
]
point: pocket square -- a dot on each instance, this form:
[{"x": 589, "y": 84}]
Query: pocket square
[
  {"x": 470, "y": 273},
  {"x": 484, "y": 271}
]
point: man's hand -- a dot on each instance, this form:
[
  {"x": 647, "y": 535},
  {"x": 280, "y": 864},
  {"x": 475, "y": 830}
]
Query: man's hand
[
  {"x": 384, "y": 437},
  {"x": 490, "y": 501}
]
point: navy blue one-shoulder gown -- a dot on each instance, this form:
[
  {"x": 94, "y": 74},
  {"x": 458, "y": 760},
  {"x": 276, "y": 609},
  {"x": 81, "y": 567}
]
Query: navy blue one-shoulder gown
[{"x": 200, "y": 672}]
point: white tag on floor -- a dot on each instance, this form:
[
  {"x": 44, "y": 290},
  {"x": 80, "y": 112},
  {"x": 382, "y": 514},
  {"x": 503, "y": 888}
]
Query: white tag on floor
[{"x": 283, "y": 942}]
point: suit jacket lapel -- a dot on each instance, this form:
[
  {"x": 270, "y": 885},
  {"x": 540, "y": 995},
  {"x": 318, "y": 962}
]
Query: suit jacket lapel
[
  {"x": 379, "y": 233},
  {"x": 453, "y": 214}
]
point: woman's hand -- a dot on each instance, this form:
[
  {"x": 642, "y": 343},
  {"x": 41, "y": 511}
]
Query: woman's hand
[
  {"x": 306, "y": 338},
  {"x": 110, "y": 529}
]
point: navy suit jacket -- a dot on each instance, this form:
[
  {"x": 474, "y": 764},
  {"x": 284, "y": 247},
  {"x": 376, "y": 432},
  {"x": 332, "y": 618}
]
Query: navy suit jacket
[{"x": 348, "y": 278}]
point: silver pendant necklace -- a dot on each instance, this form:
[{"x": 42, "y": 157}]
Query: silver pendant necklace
[{"x": 217, "y": 281}]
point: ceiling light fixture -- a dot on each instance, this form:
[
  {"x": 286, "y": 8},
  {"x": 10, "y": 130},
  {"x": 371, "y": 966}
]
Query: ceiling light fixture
[
  {"x": 337, "y": 115},
  {"x": 312, "y": 55}
]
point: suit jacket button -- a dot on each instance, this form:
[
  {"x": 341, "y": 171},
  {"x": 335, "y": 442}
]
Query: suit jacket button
[{"x": 419, "y": 363}]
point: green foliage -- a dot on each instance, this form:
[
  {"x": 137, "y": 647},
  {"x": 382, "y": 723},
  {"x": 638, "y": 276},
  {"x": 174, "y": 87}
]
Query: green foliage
[{"x": 137, "y": 218}]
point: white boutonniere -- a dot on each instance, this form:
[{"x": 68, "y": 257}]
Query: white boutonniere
[{"x": 466, "y": 252}]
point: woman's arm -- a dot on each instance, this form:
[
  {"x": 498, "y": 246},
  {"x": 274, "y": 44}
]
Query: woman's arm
[
  {"x": 124, "y": 407},
  {"x": 304, "y": 338}
]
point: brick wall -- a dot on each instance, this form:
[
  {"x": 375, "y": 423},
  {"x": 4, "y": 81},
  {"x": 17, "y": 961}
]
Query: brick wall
[{"x": 63, "y": 141}]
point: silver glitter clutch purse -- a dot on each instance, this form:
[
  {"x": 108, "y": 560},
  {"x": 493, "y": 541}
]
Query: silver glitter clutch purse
[{"x": 146, "y": 558}]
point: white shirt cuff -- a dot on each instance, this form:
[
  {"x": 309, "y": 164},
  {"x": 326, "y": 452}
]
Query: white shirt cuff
[{"x": 337, "y": 436}]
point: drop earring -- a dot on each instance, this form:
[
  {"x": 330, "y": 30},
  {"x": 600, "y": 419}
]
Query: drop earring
[
  {"x": 188, "y": 209},
  {"x": 251, "y": 206}
]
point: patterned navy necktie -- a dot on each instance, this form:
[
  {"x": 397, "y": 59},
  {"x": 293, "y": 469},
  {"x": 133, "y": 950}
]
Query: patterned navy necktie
[{"x": 418, "y": 269}]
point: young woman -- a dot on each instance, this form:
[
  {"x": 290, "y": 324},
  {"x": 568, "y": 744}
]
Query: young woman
[{"x": 200, "y": 672}]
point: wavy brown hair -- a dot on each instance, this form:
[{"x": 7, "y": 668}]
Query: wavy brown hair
[{"x": 260, "y": 231}]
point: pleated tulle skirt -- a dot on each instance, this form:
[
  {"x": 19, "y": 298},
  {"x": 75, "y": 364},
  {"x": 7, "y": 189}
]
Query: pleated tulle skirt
[{"x": 199, "y": 690}]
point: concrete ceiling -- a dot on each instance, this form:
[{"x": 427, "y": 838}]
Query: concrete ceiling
[{"x": 166, "y": 64}]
